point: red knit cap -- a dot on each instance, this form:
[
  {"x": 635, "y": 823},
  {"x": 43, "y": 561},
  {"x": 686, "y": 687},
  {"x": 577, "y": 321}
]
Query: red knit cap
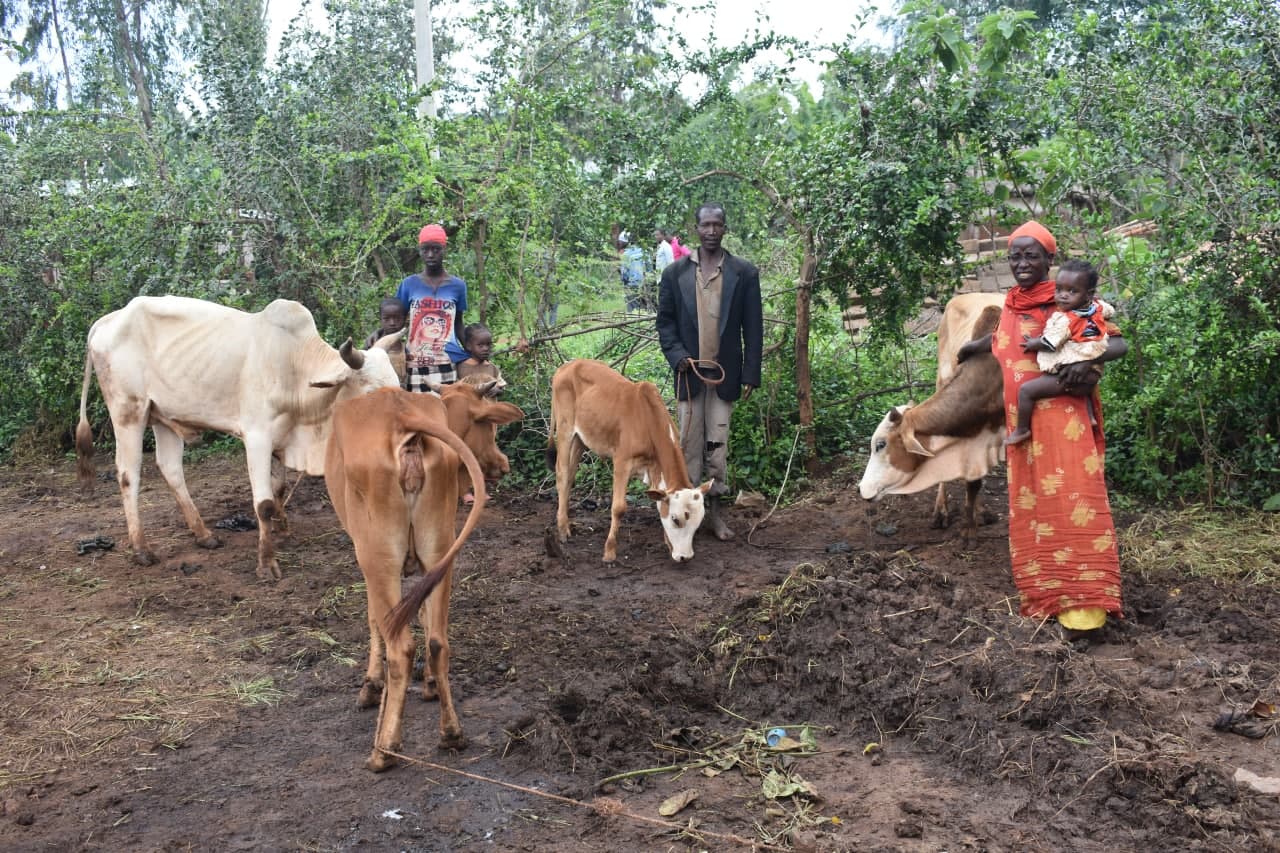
[
  {"x": 435, "y": 234},
  {"x": 1037, "y": 232}
]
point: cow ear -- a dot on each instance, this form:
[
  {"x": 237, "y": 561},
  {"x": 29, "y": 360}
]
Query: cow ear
[
  {"x": 333, "y": 380},
  {"x": 389, "y": 341},
  {"x": 913, "y": 445},
  {"x": 656, "y": 496},
  {"x": 501, "y": 413},
  {"x": 706, "y": 487}
]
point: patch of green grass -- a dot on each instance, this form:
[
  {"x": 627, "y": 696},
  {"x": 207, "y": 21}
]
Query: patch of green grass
[
  {"x": 258, "y": 691},
  {"x": 344, "y": 601},
  {"x": 1200, "y": 542}
]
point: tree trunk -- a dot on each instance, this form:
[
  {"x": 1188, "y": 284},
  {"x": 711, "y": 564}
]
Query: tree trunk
[
  {"x": 478, "y": 247},
  {"x": 62, "y": 48},
  {"x": 804, "y": 384},
  {"x": 135, "y": 65}
]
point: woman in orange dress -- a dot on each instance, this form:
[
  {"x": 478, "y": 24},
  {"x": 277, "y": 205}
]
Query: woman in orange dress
[{"x": 1062, "y": 541}]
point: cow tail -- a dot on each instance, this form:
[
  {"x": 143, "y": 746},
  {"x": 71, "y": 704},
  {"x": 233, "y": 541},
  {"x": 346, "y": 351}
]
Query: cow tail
[
  {"x": 412, "y": 602},
  {"x": 84, "y": 434},
  {"x": 550, "y": 453}
]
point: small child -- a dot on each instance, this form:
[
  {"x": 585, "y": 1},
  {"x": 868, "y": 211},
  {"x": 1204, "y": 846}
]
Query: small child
[
  {"x": 391, "y": 319},
  {"x": 1076, "y": 332},
  {"x": 477, "y": 370}
]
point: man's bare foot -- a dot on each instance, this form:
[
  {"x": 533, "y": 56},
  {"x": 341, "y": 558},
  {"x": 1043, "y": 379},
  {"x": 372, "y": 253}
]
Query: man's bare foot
[{"x": 1017, "y": 436}]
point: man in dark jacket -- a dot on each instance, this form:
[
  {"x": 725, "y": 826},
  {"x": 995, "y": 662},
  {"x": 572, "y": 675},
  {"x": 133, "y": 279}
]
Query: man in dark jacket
[{"x": 709, "y": 310}]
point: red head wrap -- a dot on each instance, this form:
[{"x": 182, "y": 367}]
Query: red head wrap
[
  {"x": 1037, "y": 232},
  {"x": 435, "y": 234}
]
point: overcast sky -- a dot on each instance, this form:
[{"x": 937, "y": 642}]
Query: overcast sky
[{"x": 815, "y": 21}]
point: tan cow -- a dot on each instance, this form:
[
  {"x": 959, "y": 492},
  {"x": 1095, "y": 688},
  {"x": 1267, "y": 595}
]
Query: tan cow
[
  {"x": 958, "y": 432},
  {"x": 474, "y": 416},
  {"x": 184, "y": 365},
  {"x": 391, "y": 470},
  {"x": 594, "y": 407}
]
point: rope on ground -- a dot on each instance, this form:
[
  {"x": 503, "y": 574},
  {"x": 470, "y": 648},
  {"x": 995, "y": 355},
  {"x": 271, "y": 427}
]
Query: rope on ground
[
  {"x": 604, "y": 806},
  {"x": 786, "y": 474},
  {"x": 289, "y": 496}
]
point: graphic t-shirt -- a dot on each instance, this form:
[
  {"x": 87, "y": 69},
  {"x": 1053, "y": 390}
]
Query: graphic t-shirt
[{"x": 433, "y": 314}]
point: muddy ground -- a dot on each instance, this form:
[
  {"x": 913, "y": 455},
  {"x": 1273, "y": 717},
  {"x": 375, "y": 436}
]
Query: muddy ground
[{"x": 186, "y": 706}]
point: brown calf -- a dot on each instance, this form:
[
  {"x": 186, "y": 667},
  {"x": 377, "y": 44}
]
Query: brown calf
[
  {"x": 474, "y": 417},
  {"x": 391, "y": 470},
  {"x": 955, "y": 434},
  {"x": 596, "y": 408}
]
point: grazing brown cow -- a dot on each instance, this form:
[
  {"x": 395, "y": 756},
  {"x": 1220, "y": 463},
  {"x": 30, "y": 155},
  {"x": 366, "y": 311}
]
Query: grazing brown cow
[
  {"x": 955, "y": 434},
  {"x": 596, "y": 408},
  {"x": 391, "y": 470}
]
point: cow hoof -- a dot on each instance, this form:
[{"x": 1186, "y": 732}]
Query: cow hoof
[
  {"x": 370, "y": 695},
  {"x": 453, "y": 740},
  {"x": 551, "y": 541},
  {"x": 429, "y": 692},
  {"x": 145, "y": 557},
  {"x": 209, "y": 542},
  {"x": 939, "y": 522},
  {"x": 380, "y": 761},
  {"x": 269, "y": 573}
]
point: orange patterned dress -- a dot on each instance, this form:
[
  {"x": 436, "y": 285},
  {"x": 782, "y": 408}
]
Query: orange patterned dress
[{"x": 1062, "y": 541}]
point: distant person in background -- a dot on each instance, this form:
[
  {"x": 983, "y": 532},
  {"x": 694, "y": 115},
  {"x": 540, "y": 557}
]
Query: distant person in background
[
  {"x": 631, "y": 271},
  {"x": 435, "y": 302},
  {"x": 391, "y": 319},
  {"x": 663, "y": 255},
  {"x": 677, "y": 251}
]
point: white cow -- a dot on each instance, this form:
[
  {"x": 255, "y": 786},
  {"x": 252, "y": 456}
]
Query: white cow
[
  {"x": 957, "y": 433},
  {"x": 184, "y": 365}
]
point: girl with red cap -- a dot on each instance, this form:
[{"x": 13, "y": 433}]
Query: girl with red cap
[
  {"x": 434, "y": 302},
  {"x": 1062, "y": 541}
]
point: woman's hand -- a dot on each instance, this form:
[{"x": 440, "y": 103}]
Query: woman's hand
[
  {"x": 1079, "y": 378},
  {"x": 973, "y": 347}
]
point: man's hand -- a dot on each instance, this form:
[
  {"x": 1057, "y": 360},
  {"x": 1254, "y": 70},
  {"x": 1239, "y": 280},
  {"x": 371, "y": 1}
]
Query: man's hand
[
  {"x": 746, "y": 391},
  {"x": 1037, "y": 344},
  {"x": 685, "y": 365}
]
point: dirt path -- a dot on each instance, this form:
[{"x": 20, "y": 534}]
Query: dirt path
[{"x": 184, "y": 706}]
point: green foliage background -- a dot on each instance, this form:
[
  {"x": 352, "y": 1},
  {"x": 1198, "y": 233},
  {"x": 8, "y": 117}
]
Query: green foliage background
[{"x": 168, "y": 155}]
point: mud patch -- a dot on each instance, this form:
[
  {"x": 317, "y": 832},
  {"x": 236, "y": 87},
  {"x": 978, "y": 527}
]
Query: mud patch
[{"x": 150, "y": 708}]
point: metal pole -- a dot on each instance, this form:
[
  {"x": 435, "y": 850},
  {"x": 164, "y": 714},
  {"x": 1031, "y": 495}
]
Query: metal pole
[{"x": 425, "y": 54}]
